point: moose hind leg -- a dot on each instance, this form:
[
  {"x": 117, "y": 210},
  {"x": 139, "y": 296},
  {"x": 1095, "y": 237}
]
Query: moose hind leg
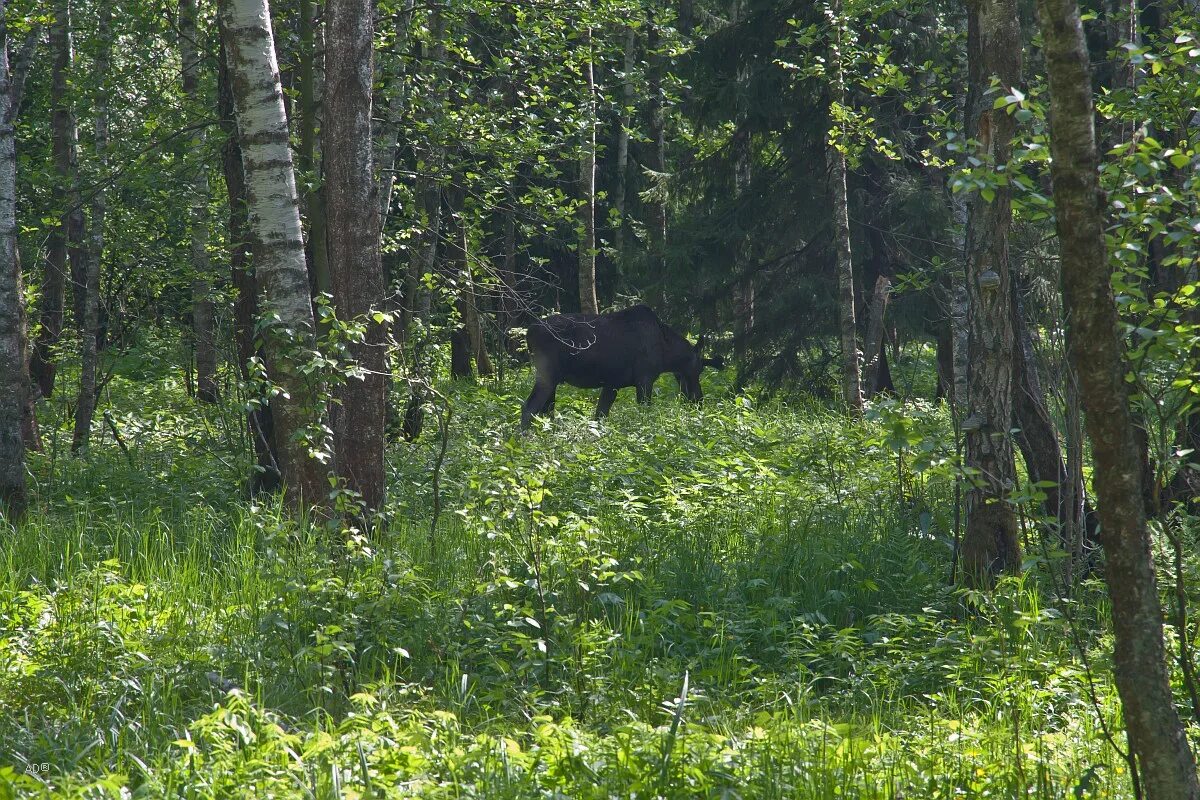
[{"x": 607, "y": 397}]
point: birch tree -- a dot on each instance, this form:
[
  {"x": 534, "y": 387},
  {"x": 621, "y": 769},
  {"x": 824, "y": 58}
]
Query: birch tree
[{"x": 277, "y": 243}]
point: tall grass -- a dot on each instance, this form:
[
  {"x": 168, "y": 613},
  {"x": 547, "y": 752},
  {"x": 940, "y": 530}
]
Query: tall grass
[{"x": 163, "y": 636}]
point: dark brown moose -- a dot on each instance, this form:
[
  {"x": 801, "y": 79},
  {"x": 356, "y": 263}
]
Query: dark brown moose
[{"x": 608, "y": 352}]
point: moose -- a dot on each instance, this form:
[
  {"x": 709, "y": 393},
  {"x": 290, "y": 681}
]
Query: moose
[{"x": 631, "y": 347}]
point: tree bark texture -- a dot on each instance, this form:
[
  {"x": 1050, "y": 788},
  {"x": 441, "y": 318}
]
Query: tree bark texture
[
  {"x": 13, "y": 385},
  {"x": 990, "y": 543},
  {"x": 66, "y": 236},
  {"x": 259, "y": 425},
  {"x": 352, "y": 205},
  {"x": 1156, "y": 735},
  {"x": 203, "y": 307},
  {"x": 588, "y": 302},
  {"x": 89, "y": 325},
  {"x": 273, "y": 223}
]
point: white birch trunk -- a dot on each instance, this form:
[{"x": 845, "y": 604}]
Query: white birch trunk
[{"x": 277, "y": 242}]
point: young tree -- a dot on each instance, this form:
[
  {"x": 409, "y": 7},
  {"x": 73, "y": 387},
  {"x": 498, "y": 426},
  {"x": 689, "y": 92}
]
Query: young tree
[
  {"x": 990, "y": 544},
  {"x": 620, "y": 200},
  {"x": 203, "y": 307},
  {"x": 588, "y": 302},
  {"x": 352, "y": 206},
  {"x": 1157, "y": 740},
  {"x": 277, "y": 242},
  {"x": 85, "y": 405},
  {"x": 66, "y": 237},
  {"x": 315, "y": 217},
  {"x": 13, "y": 384},
  {"x": 839, "y": 205}
]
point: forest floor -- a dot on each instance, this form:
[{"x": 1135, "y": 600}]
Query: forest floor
[{"x": 748, "y": 599}]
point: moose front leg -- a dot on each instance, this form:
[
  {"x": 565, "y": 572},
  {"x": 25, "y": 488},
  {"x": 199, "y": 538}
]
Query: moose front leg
[{"x": 607, "y": 397}]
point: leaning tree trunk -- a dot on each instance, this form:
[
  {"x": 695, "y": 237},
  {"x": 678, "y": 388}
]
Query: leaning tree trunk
[
  {"x": 352, "y": 205},
  {"x": 203, "y": 308},
  {"x": 66, "y": 235},
  {"x": 89, "y": 325},
  {"x": 259, "y": 425},
  {"x": 277, "y": 243},
  {"x": 990, "y": 543},
  {"x": 588, "y": 302},
  {"x": 13, "y": 386},
  {"x": 1157, "y": 739}
]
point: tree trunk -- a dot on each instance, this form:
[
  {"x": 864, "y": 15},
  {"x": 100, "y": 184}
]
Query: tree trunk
[
  {"x": 623, "y": 121},
  {"x": 840, "y": 207},
  {"x": 1038, "y": 441},
  {"x": 388, "y": 140},
  {"x": 959, "y": 333},
  {"x": 259, "y": 425},
  {"x": 657, "y": 222},
  {"x": 13, "y": 386},
  {"x": 277, "y": 242},
  {"x": 203, "y": 307},
  {"x": 743, "y": 286},
  {"x": 588, "y": 302},
  {"x": 874, "y": 356},
  {"x": 471, "y": 340},
  {"x": 851, "y": 382},
  {"x": 354, "y": 245},
  {"x": 990, "y": 543},
  {"x": 67, "y": 234},
  {"x": 311, "y": 48},
  {"x": 85, "y": 405},
  {"x": 1157, "y": 739}
]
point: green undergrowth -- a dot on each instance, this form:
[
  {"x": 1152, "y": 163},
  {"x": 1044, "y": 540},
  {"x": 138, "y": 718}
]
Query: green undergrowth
[{"x": 746, "y": 599}]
